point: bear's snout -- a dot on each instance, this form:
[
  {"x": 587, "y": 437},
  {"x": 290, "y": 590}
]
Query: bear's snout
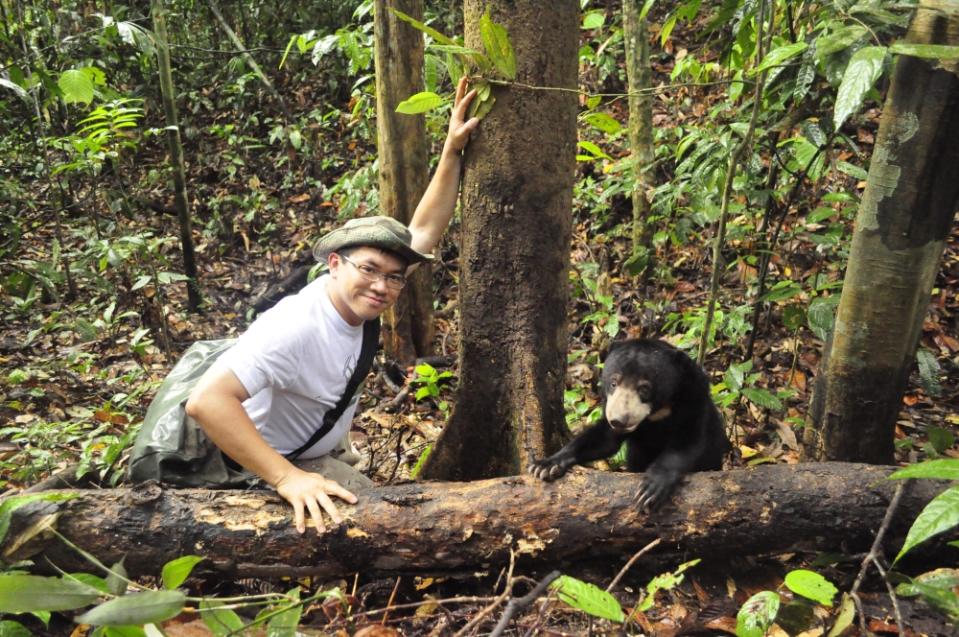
[{"x": 625, "y": 409}]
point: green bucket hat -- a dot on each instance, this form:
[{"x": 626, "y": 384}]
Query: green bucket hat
[{"x": 381, "y": 232}]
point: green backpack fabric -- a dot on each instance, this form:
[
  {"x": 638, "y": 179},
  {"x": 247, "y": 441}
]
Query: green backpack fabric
[{"x": 172, "y": 448}]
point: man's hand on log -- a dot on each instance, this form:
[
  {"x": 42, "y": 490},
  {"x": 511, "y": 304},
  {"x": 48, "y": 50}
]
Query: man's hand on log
[{"x": 310, "y": 491}]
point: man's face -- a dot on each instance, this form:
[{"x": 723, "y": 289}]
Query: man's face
[{"x": 359, "y": 288}]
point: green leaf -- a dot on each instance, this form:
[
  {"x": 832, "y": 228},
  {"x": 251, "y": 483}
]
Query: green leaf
[
  {"x": 779, "y": 55},
  {"x": 10, "y": 504},
  {"x": 588, "y": 598},
  {"x": 10, "y": 628},
  {"x": 942, "y": 469},
  {"x": 498, "y": 47},
  {"x": 847, "y": 613},
  {"x": 433, "y": 33},
  {"x": 123, "y": 631},
  {"x": 821, "y": 315},
  {"x": 16, "y": 88},
  {"x": 603, "y": 122},
  {"x": 139, "y": 608},
  {"x": 284, "y": 624},
  {"x": 757, "y": 614},
  {"x": 646, "y": 7},
  {"x": 863, "y": 70},
  {"x": 839, "y": 39},
  {"x": 940, "y": 515},
  {"x": 419, "y": 103},
  {"x": 926, "y": 51},
  {"x": 593, "y": 149},
  {"x": 220, "y": 620},
  {"x": 76, "y": 85},
  {"x": 940, "y": 438},
  {"x": 762, "y": 397},
  {"x": 594, "y": 19},
  {"x": 27, "y": 593},
  {"x": 929, "y": 371},
  {"x": 176, "y": 571},
  {"x": 117, "y": 579},
  {"x": 811, "y": 585},
  {"x": 415, "y": 471},
  {"x": 936, "y": 588}
]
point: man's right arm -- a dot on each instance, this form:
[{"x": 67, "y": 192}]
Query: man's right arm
[{"x": 216, "y": 403}]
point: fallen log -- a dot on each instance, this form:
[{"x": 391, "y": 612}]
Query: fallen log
[{"x": 435, "y": 527}]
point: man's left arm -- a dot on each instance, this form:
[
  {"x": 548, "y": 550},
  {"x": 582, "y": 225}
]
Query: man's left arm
[{"x": 435, "y": 209}]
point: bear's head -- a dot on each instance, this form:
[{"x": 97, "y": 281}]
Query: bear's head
[{"x": 637, "y": 381}]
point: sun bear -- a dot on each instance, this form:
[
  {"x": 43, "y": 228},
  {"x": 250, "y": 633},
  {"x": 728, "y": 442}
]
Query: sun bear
[{"x": 657, "y": 401}]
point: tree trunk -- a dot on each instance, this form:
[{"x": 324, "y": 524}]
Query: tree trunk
[
  {"x": 585, "y": 519},
  {"x": 640, "y": 82},
  {"x": 176, "y": 154},
  {"x": 517, "y": 198},
  {"x": 403, "y": 166},
  {"x": 904, "y": 218}
]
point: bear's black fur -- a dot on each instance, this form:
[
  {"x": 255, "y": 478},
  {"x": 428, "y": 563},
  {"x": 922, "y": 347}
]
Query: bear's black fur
[{"x": 657, "y": 401}]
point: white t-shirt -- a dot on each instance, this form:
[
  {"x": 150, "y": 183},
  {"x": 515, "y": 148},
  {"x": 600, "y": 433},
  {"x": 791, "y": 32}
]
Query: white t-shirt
[{"x": 295, "y": 361}]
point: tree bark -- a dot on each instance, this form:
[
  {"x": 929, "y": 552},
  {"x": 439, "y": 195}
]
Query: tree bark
[
  {"x": 514, "y": 261},
  {"x": 158, "y": 12},
  {"x": 640, "y": 81},
  {"x": 911, "y": 197},
  {"x": 401, "y": 142},
  {"x": 585, "y": 519}
]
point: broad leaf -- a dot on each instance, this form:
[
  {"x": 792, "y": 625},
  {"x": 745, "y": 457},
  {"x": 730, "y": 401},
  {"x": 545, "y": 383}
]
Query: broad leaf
[
  {"x": 140, "y": 608},
  {"x": 757, "y": 614},
  {"x": 927, "y": 51},
  {"x": 594, "y": 19},
  {"x": 762, "y": 397},
  {"x": 821, "y": 315},
  {"x": 940, "y": 515},
  {"x": 117, "y": 579},
  {"x": 595, "y": 151},
  {"x": 603, "y": 122},
  {"x": 27, "y": 593},
  {"x": 588, "y": 598},
  {"x": 419, "y": 103},
  {"x": 176, "y": 571},
  {"x": 779, "y": 55},
  {"x": 937, "y": 588},
  {"x": 219, "y": 619},
  {"x": 123, "y": 631},
  {"x": 811, "y": 585},
  {"x": 498, "y": 47},
  {"x": 284, "y": 624},
  {"x": 9, "y": 505},
  {"x": 77, "y": 86},
  {"x": 863, "y": 70},
  {"x": 847, "y": 613},
  {"x": 433, "y": 33},
  {"x": 943, "y": 469},
  {"x": 10, "y": 628},
  {"x": 16, "y": 88}
]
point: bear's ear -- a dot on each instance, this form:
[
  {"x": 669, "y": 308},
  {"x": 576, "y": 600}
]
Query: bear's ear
[{"x": 609, "y": 350}]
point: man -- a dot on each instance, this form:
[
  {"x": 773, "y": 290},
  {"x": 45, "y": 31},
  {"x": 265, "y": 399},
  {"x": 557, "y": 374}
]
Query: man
[{"x": 267, "y": 394}]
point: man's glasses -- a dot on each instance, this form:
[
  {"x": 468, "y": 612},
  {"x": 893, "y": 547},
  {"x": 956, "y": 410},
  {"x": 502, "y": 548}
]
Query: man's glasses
[{"x": 372, "y": 275}]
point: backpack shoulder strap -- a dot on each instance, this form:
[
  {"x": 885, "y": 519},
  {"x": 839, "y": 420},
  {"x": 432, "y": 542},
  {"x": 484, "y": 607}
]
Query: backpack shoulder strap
[{"x": 371, "y": 337}]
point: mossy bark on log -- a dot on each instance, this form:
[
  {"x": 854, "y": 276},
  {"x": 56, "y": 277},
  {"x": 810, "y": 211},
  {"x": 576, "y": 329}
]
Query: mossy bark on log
[{"x": 586, "y": 517}]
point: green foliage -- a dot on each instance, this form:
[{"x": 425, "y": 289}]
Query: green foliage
[
  {"x": 176, "y": 571},
  {"x": 588, "y": 598},
  {"x": 664, "y": 582},
  {"x": 20, "y": 593},
  {"x": 137, "y": 608},
  {"x": 757, "y": 614},
  {"x": 937, "y": 588},
  {"x": 811, "y": 585}
]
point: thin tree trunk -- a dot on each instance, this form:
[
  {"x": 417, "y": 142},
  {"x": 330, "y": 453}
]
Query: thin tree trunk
[
  {"x": 249, "y": 60},
  {"x": 906, "y": 212},
  {"x": 514, "y": 261},
  {"x": 176, "y": 154},
  {"x": 586, "y": 518},
  {"x": 403, "y": 166},
  {"x": 640, "y": 81}
]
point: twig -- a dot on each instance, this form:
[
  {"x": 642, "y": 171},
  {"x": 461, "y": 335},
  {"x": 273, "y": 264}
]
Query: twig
[
  {"x": 507, "y": 591},
  {"x": 875, "y": 552},
  {"x": 389, "y": 602},
  {"x": 520, "y": 603},
  {"x": 632, "y": 561}
]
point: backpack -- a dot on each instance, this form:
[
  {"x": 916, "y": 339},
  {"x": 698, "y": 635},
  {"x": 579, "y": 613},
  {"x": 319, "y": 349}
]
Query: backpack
[{"x": 173, "y": 449}]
